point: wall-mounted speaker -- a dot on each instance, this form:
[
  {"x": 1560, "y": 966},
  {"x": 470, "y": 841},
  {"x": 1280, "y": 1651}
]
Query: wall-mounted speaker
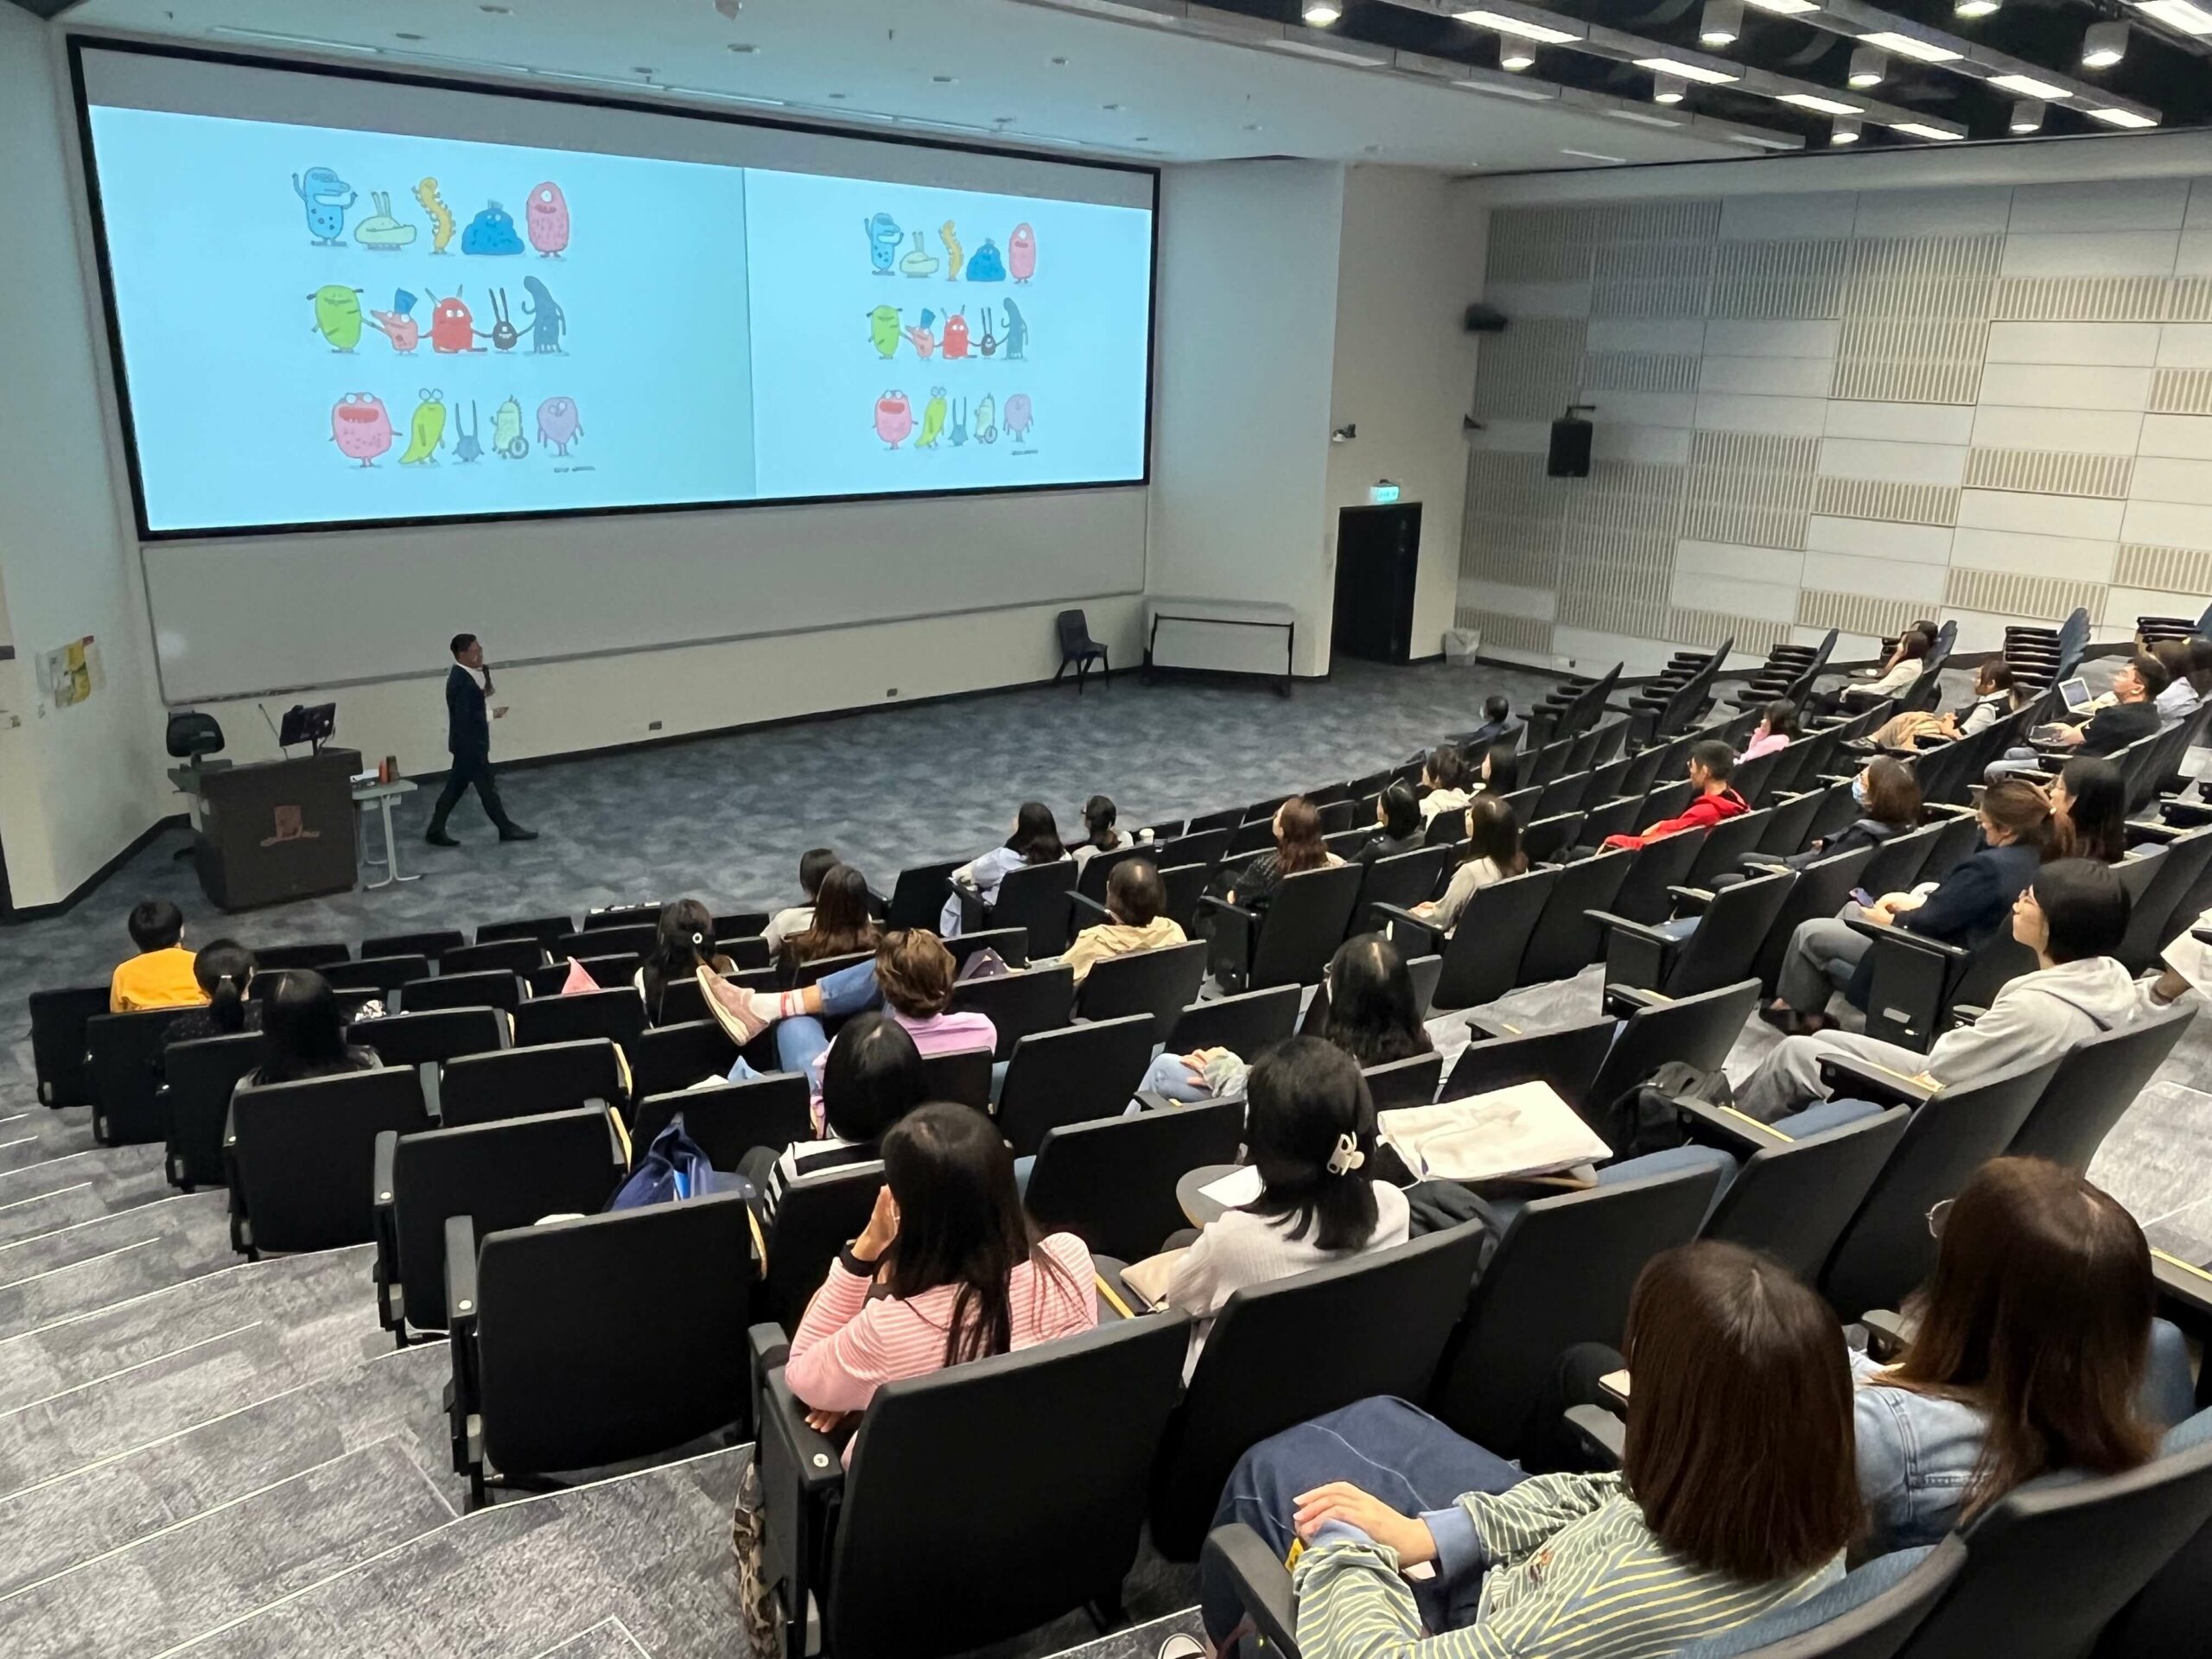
[
  {"x": 1569, "y": 455},
  {"x": 1484, "y": 319}
]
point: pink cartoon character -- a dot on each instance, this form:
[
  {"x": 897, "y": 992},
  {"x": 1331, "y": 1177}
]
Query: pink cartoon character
[
  {"x": 1018, "y": 418},
  {"x": 558, "y": 423},
  {"x": 1021, "y": 253},
  {"x": 955, "y": 335},
  {"x": 924, "y": 342},
  {"x": 360, "y": 428},
  {"x": 894, "y": 418},
  {"x": 399, "y": 325},
  {"x": 549, "y": 219}
]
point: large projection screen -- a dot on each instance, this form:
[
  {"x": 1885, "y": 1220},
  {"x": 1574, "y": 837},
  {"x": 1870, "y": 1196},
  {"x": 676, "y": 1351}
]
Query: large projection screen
[{"x": 344, "y": 300}]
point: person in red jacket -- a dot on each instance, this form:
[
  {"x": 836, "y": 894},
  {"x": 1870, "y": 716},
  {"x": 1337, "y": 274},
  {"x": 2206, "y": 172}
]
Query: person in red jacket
[{"x": 1711, "y": 763}]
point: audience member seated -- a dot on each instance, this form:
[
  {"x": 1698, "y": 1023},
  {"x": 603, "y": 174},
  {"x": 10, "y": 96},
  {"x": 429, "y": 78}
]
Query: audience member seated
[
  {"x": 1713, "y": 763},
  {"x": 1493, "y": 853},
  {"x": 1736, "y": 1495},
  {"x": 683, "y": 943},
  {"x": 1100, "y": 835},
  {"x": 303, "y": 1035},
  {"x": 2073, "y": 917},
  {"x": 2089, "y": 810},
  {"x": 841, "y": 926},
  {"x": 1901, "y": 669},
  {"x": 871, "y": 1078},
  {"x": 1372, "y": 1017},
  {"x": 1967, "y": 908},
  {"x": 1134, "y": 899},
  {"x": 1889, "y": 805},
  {"x": 1398, "y": 825},
  {"x": 1777, "y": 727},
  {"x": 1444, "y": 776},
  {"x": 224, "y": 970},
  {"x": 1993, "y": 696},
  {"x": 1035, "y": 840},
  {"x": 160, "y": 975},
  {"x": 2191, "y": 682},
  {"x": 1498, "y": 724},
  {"x": 1500, "y": 771},
  {"x": 2033, "y": 1350},
  {"x": 1298, "y": 848},
  {"x": 947, "y": 1270},
  {"x": 2132, "y": 714},
  {"x": 813, "y": 864}
]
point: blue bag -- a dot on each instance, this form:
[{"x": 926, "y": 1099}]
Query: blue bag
[{"x": 674, "y": 1168}]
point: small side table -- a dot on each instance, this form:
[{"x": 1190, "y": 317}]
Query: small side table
[{"x": 381, "y": 796}]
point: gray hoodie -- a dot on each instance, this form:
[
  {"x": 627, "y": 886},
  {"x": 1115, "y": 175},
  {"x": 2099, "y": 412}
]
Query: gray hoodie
[{"x": 2039, "y": 1016}]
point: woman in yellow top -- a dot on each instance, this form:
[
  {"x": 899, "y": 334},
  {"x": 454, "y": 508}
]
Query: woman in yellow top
[{"x": 160, "y": 975}]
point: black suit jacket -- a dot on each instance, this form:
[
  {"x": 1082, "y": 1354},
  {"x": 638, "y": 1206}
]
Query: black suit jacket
[
  {"x": 468, "y": 724},
  {"x": 2113, "y": 729}
]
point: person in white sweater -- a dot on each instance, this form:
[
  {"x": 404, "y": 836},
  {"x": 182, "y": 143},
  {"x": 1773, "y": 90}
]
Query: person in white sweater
[
  {"x": 1445, "y": 775},
  {"x": 1493, "y": 854},
  {"x": 1310, "y": 1130}
]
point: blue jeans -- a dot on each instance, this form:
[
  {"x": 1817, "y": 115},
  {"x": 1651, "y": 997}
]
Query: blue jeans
[
  {"x": 800, "y": 1040},
  {"x": 1169, "y": 1076},
  {"x": 1396, "y": 1453}
]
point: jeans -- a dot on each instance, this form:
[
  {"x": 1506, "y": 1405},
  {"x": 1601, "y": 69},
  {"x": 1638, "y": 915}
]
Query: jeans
[
  {"x": 1385, "y": 1447},
  {"x": 1169, "y": 1076},
  {"x": 1822, "y": 955},
  {"x": 2018, "y": 760},
  {"x": 1789, "y": 1079},
  {"x": 469, "y": 769},
  {"x": 849, "y": 990}
]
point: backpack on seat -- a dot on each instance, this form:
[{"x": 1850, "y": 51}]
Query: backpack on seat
[
  {"x": 672, "y": 1169},
  {"x": 1643, "y": 1119}
]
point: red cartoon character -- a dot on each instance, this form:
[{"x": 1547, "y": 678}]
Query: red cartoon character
[
  {"x": 955, "y": 343},
  {"x": 451, "y": 328}
]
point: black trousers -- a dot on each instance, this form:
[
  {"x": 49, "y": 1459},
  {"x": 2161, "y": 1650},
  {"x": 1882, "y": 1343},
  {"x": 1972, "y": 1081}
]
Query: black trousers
[{"x": 469, "y": 769}]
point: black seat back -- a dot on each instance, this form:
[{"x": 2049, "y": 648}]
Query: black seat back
[
  {"x": 1726, "y": 942},
  {"x": 1011, "y": 942},
  {"x": 57, "y": 1041},
  {"x": 640, "y": 1314},
  {"x": 508, "y": 955},
  {"x": 1566, "y": 940},
  {"x": 1403, "y": 878},
  {"x": 730, "y": 1118},
  {"x": 540, "y": 931},
  {"x": 506, "y": 1174},
  {"x": 1794, "y": 1201},
  {"x": 1303, "y": 925},
  {"x": 430, "y": 1038},
  {"x": 607, "y": 973},
  {"x": 1561, "y": 1274},
  {"x": 1388, "y": 1314},
  {"x": 1094, "y": 872},
  {"x": 1868, "y": 1614},
  {"x": 1789, "y": 822},
  {"x": 1550, "y": 838},
  {"x": 1060, "y": 1524},
  {"x": 319, "y": 956},
  {"x": 963, "y": 1076},
  {"x": 617, "y": 1014},
  {"x": 1072, "y": 1076},
  {"x": 1723, "y": 846},
  {"x": 615, "y": 939},
  {"x": 814, "y": 972},
  {"x": 815, "y": 1216},
  {"x": 485, "y": 989},
  {"x": 1839, "y": 808},
  {"x": 672, "y": 1057},
  {"x": 1157, "y": 982},
  {"x": 1824, "y": 888},
  {"x": 1020, "y": 1005},
  {"x": 1035, "y": 898},
  {"x": 2096, "y": 1083},
  {"x": 522, "y": 1082},
  {"x": 123, "y": 1055},
  {"x": 305, "y": 1154},
  {"x": 377, "y": 974},
  {"x": 1659, "y": 865},
  {"x": 1112, "y": 1182},
  {"x": 1410, "y": 1082},
  {"x": 1697, "y": 1030},
  {"x": 918, "y": 894},
  {"x": 2157, "y": 917},
  {"x": 196, "y": 1098},
  {"x": 433, "y": 944},
  {"x": 1244, "y": 1025},
  {"x": 1896, "y": 864},
  {"x": 1567, "y": 1059},
  {"x": 641, "y": 914},
  {"x": 1482, "y": 959},
  {"x": 1206, "y": 848}
]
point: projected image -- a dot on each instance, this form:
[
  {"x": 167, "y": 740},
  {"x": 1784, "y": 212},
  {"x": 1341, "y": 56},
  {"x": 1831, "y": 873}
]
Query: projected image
[{"x": 441, "y": 327}]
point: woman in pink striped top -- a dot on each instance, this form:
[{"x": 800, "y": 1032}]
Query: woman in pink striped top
[{"x": 946, "y": 1270}]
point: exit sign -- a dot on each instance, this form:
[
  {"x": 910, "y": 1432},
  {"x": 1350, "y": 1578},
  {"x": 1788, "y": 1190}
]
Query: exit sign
[{"x": 1381, "y": 495}]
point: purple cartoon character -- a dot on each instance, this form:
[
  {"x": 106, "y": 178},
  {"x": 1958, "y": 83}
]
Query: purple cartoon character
[
  {"x": 558, "y": 423},
  {"x": 1018, "y": 418}
]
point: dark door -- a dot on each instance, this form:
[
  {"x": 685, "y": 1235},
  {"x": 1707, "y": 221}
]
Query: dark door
[{"x": 1378, "y": 552}]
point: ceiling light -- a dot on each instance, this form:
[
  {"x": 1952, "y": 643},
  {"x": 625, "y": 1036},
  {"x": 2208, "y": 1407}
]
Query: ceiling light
[
  {"x": 1321, "y": 13},
  {"x": 497, "y": 11},
  {"x": 743, "y": 48},
  {"x": 1868, "y": 66},
  {"x": 1517, "y": 26},
  {"x": 1515, "y": 57},
  {"x": 1668, "y": 89},
  {"x": 1824, "y": 104},
  {"x": 1538, "y": 91},
  {"x": 1787, "y": 8},
  {"x": 1844, "y": 130},
  {"x": 1724, "y": 21},
  {"x": 1922, "y": 129},
  {"x": 1911, "y": 46},
  {"x": 1646, "y": 117},
  {"x": 2027, "y": 116},
  {"x": 276, "y": 39},
  {"x": 1591, "y": 156},
  {"x": 1704, "y": 72},
  {"x": 945, "y": 81},
  {"x": 2184, "y": 14},
  {"x": 2119, "y": 118},
  {"x": 2104, "y": 44},
  {"x": 1975, "y": 8},
  {"x": 2029, "y": 87}
]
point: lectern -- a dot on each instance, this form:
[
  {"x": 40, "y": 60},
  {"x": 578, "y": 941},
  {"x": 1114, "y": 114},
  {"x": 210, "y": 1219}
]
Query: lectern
[{"x": 278, "y": 830}]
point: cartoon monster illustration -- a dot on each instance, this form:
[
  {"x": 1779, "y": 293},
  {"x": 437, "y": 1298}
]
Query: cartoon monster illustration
[
  {"x": 984, "y": 265},
  {"x": 955, "y": 335},
  {"x": 380, "y": 230},
  {"x": 337, "y": 315},
  {"x": 503, "y": 335},
  {"x": 883, "y": 329},
  {"x": 398, "y": 325},
  {"x": 954, "y": 258},
  {"x": 884, "y": 238},
  {"x": 989, "y": 346},
  {"x": 359, "y": 427},
  {"x": 548, "y": 214},
  {"x": 467, "y": 448},
  {"x": 441, "y": 215},
  {"x": 1018, "y": 416},
  {"x": 452, "y": 328},
  {"x": 1021, "y": 252},
  {"x": 933, "y": 419},
  {"x": 957, "y": 432},
  {"x": 548, "y": 321},
  {"x": 924, "y": 342},
  {"x": 492, "y": 230},
  {"x": 426, "y": 431},
  {"x": 986, "y": 430},
  {"x": 1017, "y": 333},
  {"x": 558, "y": 423},
  {"x": 506, "y": 431},
  {"x": 318, "y": 190},
  {"x": 894, "y": 418},
  {"x": 919, "y": 262}
]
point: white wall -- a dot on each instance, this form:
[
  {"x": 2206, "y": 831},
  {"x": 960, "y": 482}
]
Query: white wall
[
  {"x": 1410, "y": 263},
  {"x": 1242, "y": 360},
  {"x": 77, "y": 784}
]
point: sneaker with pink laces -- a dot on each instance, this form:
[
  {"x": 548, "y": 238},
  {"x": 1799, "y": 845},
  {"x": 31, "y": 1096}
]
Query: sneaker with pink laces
[{"x": 735, "y": 1009}]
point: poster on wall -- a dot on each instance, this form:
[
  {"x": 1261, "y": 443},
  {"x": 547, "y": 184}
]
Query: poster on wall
[{"x": 72, "y": 672}]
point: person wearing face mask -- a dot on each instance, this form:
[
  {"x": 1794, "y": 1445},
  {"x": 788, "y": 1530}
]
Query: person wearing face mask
[{"x": 1888, "y": 796}]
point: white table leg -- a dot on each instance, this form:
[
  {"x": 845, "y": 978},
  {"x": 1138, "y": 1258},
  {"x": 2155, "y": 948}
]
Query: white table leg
[{"x": 391, "y": 848}]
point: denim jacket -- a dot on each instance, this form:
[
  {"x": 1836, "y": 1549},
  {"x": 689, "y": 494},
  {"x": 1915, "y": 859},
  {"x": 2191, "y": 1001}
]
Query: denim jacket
[{"x": 1916, "y": 1456}]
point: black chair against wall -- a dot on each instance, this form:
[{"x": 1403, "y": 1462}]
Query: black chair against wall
[
  {"x": 517, "y": 956},
  {"x": 1244, "y": 1025},
  {"x": 542, "y": 1077},
  {"x": 640, "y": 1314},
  {"x": 506, "y": 1174},
  {"x": 302, "y": 1157},
  {"x": 1482, "y": 954},
  {"x": 918, "y": 896},
  {"x": 1076, "y": 646},
  {"x": 1072, "y": 1077},
  {"x": 2096, "y": 1083},
  {"x": 675, "y": 1056},
  {"x": 1034, "y": 897},
  {"x": 123, "y": 1056},
  {"x": 1157, "y": 982},
  {"x": 195, "y": 1098},
  {"x": 1021, "y": 1004},
  {"x": 540, "y": 929},
  {"x": 433, "y": 944},
  {"x": 320, "y": 955},
  {"x": 963, "y": 1076},
  {"x": 1793, "y": 1198},
  {"x": 616, "y": 1014},
  {"x": 59, "y": 1049},
  {"x": 489, "y": 989},
  {"x": 1566, "y": 940},
  {"x": 1111, "y": 1182},
  {"x": 1567, "y": 1059},
  {"x": 730, "y": 1118},
  {"x": 1289, "y": 942}
]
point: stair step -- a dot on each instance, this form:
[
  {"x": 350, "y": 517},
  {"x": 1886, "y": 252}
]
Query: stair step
[
  {"x": 99, "y": 1179},
  {"x": 135, "y": 1251}
]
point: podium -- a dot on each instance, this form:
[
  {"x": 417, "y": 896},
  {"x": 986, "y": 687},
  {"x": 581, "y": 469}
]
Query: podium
[{"x": 278, "y": 830}]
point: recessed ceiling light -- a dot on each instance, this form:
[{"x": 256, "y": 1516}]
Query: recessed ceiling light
[
  {"x": 1844, "y": 130},
  {"x": 1688, "y": 71},
  {"x": 1516, "y": 58},
  {"x": 945, "y": 81},
  {"x": 1869, "y": 65},
  {"x": 401, "y": 35},
  {"x": 2027, "y": 116},
  {"x": 1591, "y": 156},
  {"x": 2184, "y": 14},
  {"x": 1911, "y": 46},
  {"x": 2029, "y": 87},
  {"x": 1320, "y": 13},
  {"x": 1825, "y": 106},
  {"x": 1521, "y": 27},
  {"x": 2119, "y": 118},
  {"x": 1975, "y": 8},
  {"x": 1110, "y": 106},
  {"x": 2104, "y": 44},
  {"x": 1787, "y": 8},
  {"x": 1722, "y": 22},
  {"x": 497, "y": 11},
  {"x": 743, "y": 48},
  {"x": 1668, "y": 89},
  {"x": 1252, "y": 126},
  {"x": 1922, "y": 129}
]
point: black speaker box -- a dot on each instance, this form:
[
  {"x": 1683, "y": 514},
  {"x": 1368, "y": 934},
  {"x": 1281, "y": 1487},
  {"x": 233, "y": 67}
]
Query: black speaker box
[
  {"x": 1570, "y": 452},
  {"x": 1484, "y": 319}
]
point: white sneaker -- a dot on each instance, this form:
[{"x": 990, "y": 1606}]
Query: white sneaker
[{"x": 1180, "y": 1646}]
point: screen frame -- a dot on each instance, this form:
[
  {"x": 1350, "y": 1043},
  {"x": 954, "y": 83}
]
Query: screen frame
[{"x": 78, "y": 43}]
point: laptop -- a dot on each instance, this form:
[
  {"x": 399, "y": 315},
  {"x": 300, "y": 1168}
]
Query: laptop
[{"x": 2075, "y": 694}]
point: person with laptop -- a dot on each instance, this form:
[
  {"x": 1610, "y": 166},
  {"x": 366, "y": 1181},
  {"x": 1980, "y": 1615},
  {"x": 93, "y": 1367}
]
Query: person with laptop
[{"x": 2132, "y": 716}]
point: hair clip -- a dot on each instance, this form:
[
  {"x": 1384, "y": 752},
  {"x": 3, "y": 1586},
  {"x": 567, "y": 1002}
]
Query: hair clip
[
  {"x": 1346, "y": 1157},
  {"x": 698, "y": 940}
]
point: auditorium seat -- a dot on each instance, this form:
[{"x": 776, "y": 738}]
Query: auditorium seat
[
  {"x": 1482, "y": 954},
  {"x": 123, "y": 1059},
  {"x": 195, "y": 1102},
  {"x": 617, "y": 1014},
  {"x": 609, "y": 973},
  {"x": 1291, "y": 940},
  {"x": 1402, "y": 880},
  {"x": 1011, "y": 942},
  {"x": 964, "y": 1075},
  {"x": 58, "y": 1047},
  {"x": 728, "y": 1119},
  {"x": 433, "y": 1037},
  {"x": 540, "y": 929},
  {"x": 379, "y": 973},
  {"x": 918, "y": 896},
  {"x": 612, "y": 940},
  {"x": 302, "y": 1157},
  {"x": 625, "y": 916},
  {"x": 1072, "y": 1076},
  {"x": 433, "y": 944},
  {"x": 1793, "y": 1198},
  {"x": 678, "y": 1054},
  {"x": 1565, "y": 940},
  {"x": 1019, "y": 1005},
  {"x": 1712, "y": 941},
  {"x": 1566, "y": 1057},
  {"x": 816, "y": 1216},
  {"x": 491, "y": 988},
  {"x": 2096, "y": 1082},
  {"x": 1157, "y": 982},
  {"x": 1244, "y": 1025},
  {"x": 541, "y": 1078},
  {"x": 1034, "y": 897},
  {"x": 1410, "y": 1082},
  {"x": 269, "y": 957},
  {"x": 1111, "y": 1181},
  {"x": 519, "y": 954}
]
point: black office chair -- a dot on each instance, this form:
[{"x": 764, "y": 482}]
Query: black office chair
[
  {"x": 1244, "y": 1025},
  {"x": 523, "y": 1082},
  {"x": 1111, "y": 1182},
  {"x": 1157, "y": 982},
  {"x": 1021, "y": 1004},
  {"x": 195, "y": 1098},
  {"x": 302, "y": 1157},
  {"x": 730, "y": 1118},
  {"x": 1072, "y": 1076},
  {"x": 1076, "y": 646}
]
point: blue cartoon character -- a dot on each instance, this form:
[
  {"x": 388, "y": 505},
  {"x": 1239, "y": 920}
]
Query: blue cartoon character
[
  {"x": 492, "y": 230},
  {"x": 327, "y": 197},
  {"x": 987, "y": 265},
  {"x": 1017, "y": 331},
  {"x": 884, "y": 241},
  {"x": 957, "y": 434},
  {"x": 548, "y": 321}
]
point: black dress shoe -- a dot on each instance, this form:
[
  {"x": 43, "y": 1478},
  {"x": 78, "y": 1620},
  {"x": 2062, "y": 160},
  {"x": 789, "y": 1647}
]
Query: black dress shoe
[
  {"x": 516, "y": 832},
  {"x": 439, "y": 838}
]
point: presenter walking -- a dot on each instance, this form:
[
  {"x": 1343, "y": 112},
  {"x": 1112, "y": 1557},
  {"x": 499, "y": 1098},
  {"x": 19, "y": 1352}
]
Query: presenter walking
[{"x": 468, "y": 737}]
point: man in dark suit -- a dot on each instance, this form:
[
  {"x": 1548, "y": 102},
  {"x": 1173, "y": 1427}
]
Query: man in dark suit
[{"x": 468, "y": 737}]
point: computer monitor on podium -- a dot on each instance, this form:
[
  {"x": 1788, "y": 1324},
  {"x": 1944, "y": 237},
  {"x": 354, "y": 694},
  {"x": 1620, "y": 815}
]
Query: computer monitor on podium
[{"x": 312, "y": 726}]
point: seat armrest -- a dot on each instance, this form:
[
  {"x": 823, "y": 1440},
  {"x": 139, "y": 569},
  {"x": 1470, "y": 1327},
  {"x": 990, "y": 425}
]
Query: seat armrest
[
  {"x": 1951, "y": 809},
  {"x": 1491, "y": 1027},
  {"x": 1726, "y": 1128},
  {"x": 1397, "y": 916},
  {"x": 2186, "y": 815},
  {"x": 1690, "y": 898},
  {"x": 2182, "y": 1285},
  {"x": 2162, "y": 831},
  {"x": 387, "y": 1154},
  {"x": 1209, "y": 902},
  {"x": 1905, "y": 938},
  {"x": 1261, "y": 1582},
  {"x": 1605, "y": 919},
  {"x": 1856, "y": 1079},
  {"x": 1888, "y": 1332},
  {"x": 460, "y": 1274},
  {"x": 1966, "y": 1014},
  {"x": 391, "y": 1312},
  {"x": 766, "y": 1349},
  {"x": 1084, "y": 901},
  {"x": 814, "y": 1459},
  {"x": 1604, "y": 1435},
  {"x": 1622, "y": 1000},
  {"x": 1155, "y": 1102}
]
